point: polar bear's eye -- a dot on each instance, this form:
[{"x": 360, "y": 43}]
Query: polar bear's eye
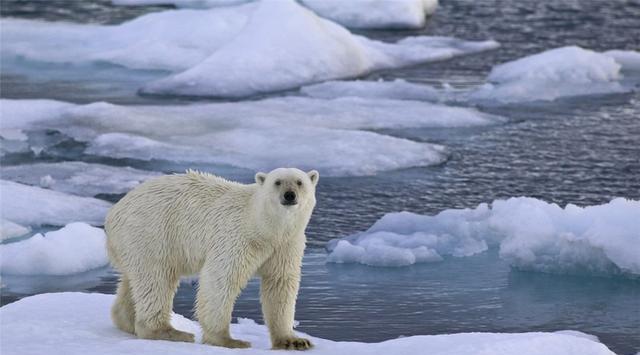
[
  {"x": 299, "y": 182},
  {"x": 277, "y": 182}
]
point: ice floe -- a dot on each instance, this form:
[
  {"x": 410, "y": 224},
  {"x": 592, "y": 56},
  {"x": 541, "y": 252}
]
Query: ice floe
[
  {"x": 78, "y": 323},
  {"x": 353, "y": 13},
  {"x": 332, "y": 135},
  {"x": 10, "y": 229},
  {"x": 566, "y": 71},
  {"x": 375, "y": 13},
  {"x": 546, "y": 76},
  {"x": 78, "y": 178},
  {"x": 267, "y": 46},
  {"x": 76, "y": 248},
  {"x": 398, "y": 89},
  {"x": 272, "y": 54},
  {"x": 531, "y": 234},
  {"x": 34, "y": 206}
]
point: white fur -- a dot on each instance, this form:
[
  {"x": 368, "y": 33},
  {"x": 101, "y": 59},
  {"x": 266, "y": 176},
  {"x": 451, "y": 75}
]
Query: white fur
[{"x": 192, "y": 223}]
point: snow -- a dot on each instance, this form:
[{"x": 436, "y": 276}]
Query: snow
[
  {"x": 332, "y": 135},
  {"x": 560, "y": 72},
  {"x": 78, "y": 178},
  {"x": 78, "y": 247},
  {"x": 267, "y": 46},
  {"x": 546, "y": 76},
  {"x": 630, "y": 60},
  {"x": 531, "y": 234},
  {"x": 10, "y": 229},
  {"x": 398, "y": 89},
  {"x": 35, "y": 206},
  {"x": 284, "y": 46},
  {"x": 196, "y": 4},
  {"x": 79, "y": 323},
  {"x": 379, "y": 14},
  {"x": 167, "y": 40},
  {"x": 17, "y": 117}
]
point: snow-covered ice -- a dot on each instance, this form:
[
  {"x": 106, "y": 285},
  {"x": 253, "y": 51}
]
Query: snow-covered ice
[
  {"x": 78, "y": 178},
  {"x": 195, "y": 4},
  {"x": 531, "y": 234},
  {"x": 34, "y": 206},
  {"x": 75, "y": 248},
  {"x": 560, "y": 72},
  {"x": 10, "y": 229},
  {"x": 267, "y": 46},
  {"x": 166, "y": 40},
  {"x": 273, "y": 54},
  {"x": 79, "y": 323},
  {"x": 16, "y": 117},
  {"x": 375, "y": 13},
  {"x": 332, "y": 135},
  {"x": 546, "y": 76},
  {"x": 398, "y": 89}
]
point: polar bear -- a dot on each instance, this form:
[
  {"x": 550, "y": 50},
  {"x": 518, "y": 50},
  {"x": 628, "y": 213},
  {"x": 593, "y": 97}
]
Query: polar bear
[{"x": 198, "y": 223}]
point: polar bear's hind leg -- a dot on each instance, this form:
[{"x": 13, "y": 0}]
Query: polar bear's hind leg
[
  {"x": 153, "y": 304},
  {"x": 123, "y": 311}
]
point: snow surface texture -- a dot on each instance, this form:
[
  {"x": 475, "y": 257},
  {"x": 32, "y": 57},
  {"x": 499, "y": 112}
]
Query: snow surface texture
[
  {"x": 531, "y": 235},
  {"x": 353, "y": 13},
  {"x": 375, "y": 13},
  {"x": 566, "y": 71},
  {"x": 10, "y": 229},
  {"x": 257, "y": 135},
  {"x": 79, "y": 323},
  {"x": 77, "y": 247},
  {"x": 34, "y": 206},
  {"x": 300, "y": 50},
  {"x": 546, "y": 76},
  {"x": 78, "y": 178},
  {"x": 267, "y": 46}
]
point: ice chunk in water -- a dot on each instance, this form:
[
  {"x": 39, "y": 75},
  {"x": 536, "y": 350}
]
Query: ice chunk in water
[
  {"x": 35, "y": 206},
  {"x": 76, "y": 248},
  {"x": 531, "y": 234}
]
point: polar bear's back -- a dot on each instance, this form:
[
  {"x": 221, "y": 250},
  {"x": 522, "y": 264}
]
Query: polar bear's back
[{"x": 163, "y": 218}]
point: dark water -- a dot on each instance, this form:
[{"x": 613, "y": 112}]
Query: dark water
[{"x": 583, "y": 150}]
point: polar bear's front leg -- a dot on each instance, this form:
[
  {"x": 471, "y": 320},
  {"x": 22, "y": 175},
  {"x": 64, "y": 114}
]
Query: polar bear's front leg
[
  {"x": 219, "y": 286},
  {"x": 278, "y": 292}
]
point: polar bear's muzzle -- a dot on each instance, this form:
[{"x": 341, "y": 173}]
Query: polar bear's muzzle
[{"x": 289, "y": 198}]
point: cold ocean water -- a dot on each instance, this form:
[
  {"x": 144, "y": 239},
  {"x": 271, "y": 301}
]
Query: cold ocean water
[{"x": 582, "y": 150}]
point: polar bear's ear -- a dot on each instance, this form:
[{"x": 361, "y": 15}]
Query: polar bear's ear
[
  {"x": 314, "y": 176},
  {"x": 260, "y": 178}
]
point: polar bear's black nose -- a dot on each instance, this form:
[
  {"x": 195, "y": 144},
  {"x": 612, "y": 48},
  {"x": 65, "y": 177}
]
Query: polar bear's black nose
[{"x": 289, "y": 197}]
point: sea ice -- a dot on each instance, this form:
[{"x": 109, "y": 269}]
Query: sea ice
[
  {"x": 35, "y": 206},
  {"x": 10, "y": 229},
  {"x": 78, "y": 247},
  {"x": 16, "y": 117},
  {"x": 531, "y": 234},
  {"x": 398, "y": 89},
  {"x": 406, "y": 14},
  {"x": 332, "y": 135},
  {"x": 79, "y": 323},
  {"x": 271, "y": 54},
  {"x": 546, "y": 76},
  {"x": 267, "y": 46},
  {"x": 78, "y": 178},
  {"x": 353, "y": 13}
]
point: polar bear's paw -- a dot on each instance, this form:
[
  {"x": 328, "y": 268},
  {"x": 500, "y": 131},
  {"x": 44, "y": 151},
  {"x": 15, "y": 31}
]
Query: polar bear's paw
[
  {"x": 292, "y": 343},
  {"x": 170, "y": 334},
  {"x": 235, "y": 343}
]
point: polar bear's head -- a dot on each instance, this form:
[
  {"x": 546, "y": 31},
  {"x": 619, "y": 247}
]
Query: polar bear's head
[{"x": 289, "y": 188}]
